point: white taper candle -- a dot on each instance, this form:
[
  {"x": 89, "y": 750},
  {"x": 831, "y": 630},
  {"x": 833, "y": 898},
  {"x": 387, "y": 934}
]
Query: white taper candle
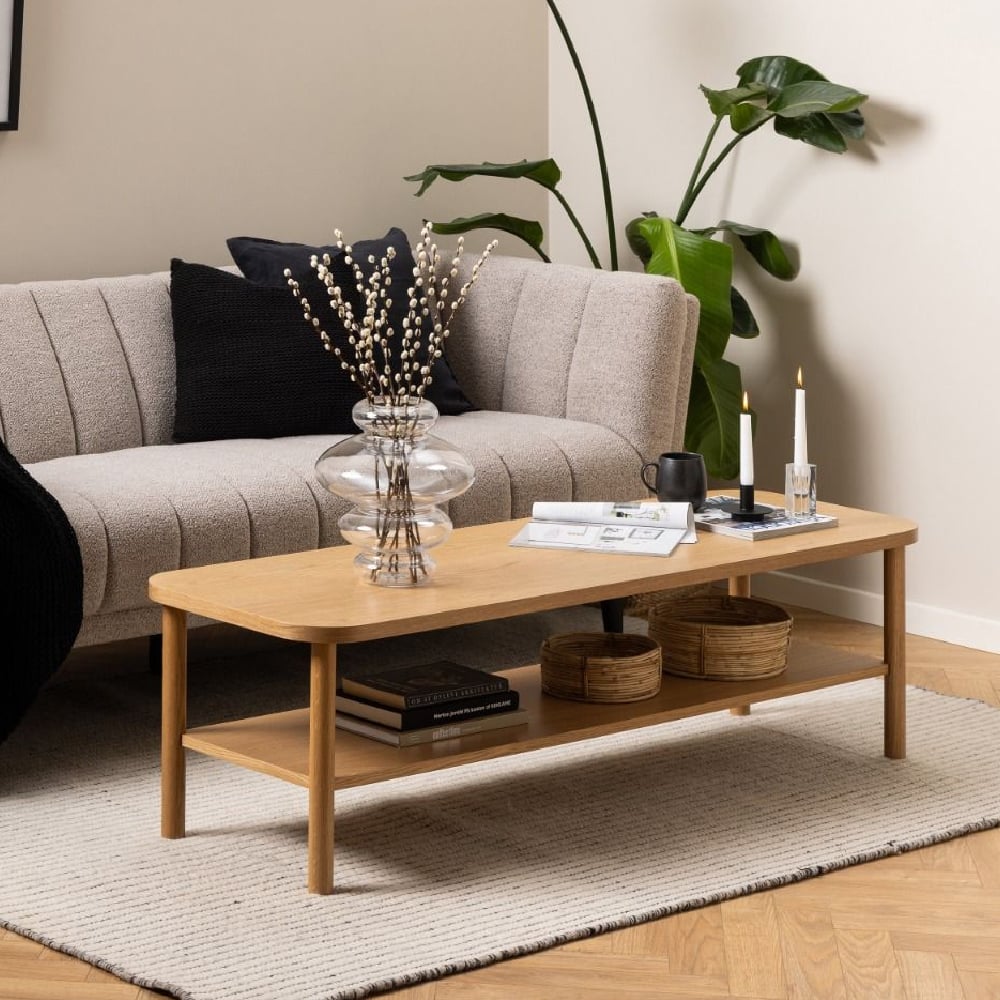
[{"x": 746, "y": 444}]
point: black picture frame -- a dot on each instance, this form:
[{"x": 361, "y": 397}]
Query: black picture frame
[{"x": 11, "y": 23}]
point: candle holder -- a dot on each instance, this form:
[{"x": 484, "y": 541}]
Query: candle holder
[
  {"x": 747, "y": 509},
  {"x": 800, "y": 490}
]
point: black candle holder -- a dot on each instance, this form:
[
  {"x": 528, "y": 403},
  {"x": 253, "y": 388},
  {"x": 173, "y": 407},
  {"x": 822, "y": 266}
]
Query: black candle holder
[{"x": 746, "y": 509}]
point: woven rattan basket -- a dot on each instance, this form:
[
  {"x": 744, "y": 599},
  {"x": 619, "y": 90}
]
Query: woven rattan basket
[
  {"x": 722, "y": 638},
  {"x": 601, "y": 666}
]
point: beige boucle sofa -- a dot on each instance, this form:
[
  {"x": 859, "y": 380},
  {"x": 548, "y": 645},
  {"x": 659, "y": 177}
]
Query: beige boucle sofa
[{"x": 580, "y": 375}]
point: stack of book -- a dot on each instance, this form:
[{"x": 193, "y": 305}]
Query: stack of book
[{"x": 421, "y": 704}]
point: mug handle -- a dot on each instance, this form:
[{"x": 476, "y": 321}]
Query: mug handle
[{"x": 649, "y": 465}]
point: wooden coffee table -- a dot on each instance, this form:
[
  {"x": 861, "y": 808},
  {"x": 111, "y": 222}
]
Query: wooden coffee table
[{"x": 318, "y": 598}]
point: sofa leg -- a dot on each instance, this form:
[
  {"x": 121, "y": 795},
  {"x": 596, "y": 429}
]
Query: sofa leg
[
  {"x": 156, "y": 654},
  {"x": 613, "y": 614}
]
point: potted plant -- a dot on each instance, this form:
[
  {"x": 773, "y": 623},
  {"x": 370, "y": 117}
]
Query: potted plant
[{"x": 799, "y": 103}]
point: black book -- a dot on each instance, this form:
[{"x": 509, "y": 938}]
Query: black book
[
  {"x": 405, "y": 719},
  {"x": 424, "y": 684}
]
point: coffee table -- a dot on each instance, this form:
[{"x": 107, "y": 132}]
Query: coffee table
[{"x": 318, "y": 598}]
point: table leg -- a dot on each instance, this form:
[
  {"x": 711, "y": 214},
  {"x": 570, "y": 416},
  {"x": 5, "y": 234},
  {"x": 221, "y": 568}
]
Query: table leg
[
  {"x": 739, "y": 586},
  {"x": 895, "y": 651},
  {"x": 173, "y": 722},
  {"x": 322, "y": 710}
]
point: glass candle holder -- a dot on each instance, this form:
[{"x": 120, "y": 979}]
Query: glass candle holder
[{"x": 800, "y": 490}]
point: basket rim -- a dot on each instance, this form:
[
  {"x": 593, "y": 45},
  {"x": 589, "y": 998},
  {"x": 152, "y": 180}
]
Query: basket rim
[{"x": 674, "y": 611}]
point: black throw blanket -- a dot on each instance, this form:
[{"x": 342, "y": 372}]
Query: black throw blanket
[{"x": 42, "y": 603}]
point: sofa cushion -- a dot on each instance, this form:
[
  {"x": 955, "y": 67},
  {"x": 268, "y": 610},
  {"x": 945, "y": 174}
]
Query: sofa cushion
[
  {"x": 140, "y": 511},
  {"x": 247, "y": 364},
  {"x": 264, "y": 261}
]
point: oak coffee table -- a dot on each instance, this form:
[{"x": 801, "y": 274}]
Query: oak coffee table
[{"x": 318, "y": 598}]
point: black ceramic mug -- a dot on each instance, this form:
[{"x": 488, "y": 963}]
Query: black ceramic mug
[{"x": 680, "y": 477}]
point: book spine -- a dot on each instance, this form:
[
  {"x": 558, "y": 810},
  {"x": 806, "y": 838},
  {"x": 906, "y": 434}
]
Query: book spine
[
  {"x": 468, "y": 691},
  {"x": 429, "y": 715},
  {"x": 470, "y": 708},
  {"x": 467, "y": 727}
]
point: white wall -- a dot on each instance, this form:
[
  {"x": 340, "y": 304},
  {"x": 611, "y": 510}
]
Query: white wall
[
  {"x": 157, "y": 129},
  {"x": 894, "y": 316}
]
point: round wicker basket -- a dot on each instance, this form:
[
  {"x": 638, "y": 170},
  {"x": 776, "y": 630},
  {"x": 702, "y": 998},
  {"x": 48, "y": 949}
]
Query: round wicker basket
[
  {"x": 722, "y": 638},
  {"x": 601, "y": 666}
]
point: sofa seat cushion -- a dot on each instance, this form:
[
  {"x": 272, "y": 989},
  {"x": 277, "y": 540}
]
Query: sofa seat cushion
[{"x": 141, "y": 511}]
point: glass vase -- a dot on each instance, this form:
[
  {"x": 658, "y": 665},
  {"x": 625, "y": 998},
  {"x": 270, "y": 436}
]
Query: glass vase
[{"x": 395, "y": 473}]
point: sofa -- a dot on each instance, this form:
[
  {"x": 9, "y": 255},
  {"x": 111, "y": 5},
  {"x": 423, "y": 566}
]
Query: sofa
[{"x": 578, "y": 377}]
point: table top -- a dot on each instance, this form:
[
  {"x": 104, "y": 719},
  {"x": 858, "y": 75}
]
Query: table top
[{"x": 319, "y": 596}]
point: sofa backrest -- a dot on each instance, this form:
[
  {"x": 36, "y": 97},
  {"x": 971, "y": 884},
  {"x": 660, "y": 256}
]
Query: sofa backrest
[
  {"x": 88, "y": 366},
  {"x": 85, "y": 366},
  {"x": 614, "y": 348}
]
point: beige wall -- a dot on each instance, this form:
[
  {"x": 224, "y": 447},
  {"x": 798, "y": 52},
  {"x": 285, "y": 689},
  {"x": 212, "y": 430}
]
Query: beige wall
[
  {"x": 156, "y": 129},
  {"x": 895, "y": 314}
]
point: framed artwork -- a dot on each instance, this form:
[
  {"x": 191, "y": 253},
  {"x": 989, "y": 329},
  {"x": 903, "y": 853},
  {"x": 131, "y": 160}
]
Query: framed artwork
[{"x": 11, "y": 18}]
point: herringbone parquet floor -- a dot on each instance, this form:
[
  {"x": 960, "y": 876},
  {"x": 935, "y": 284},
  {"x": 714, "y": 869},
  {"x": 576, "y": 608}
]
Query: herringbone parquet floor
[{"x": 921, "y": 926}]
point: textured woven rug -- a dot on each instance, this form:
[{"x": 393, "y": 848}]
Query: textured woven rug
[{"x": 461, "y": 868}]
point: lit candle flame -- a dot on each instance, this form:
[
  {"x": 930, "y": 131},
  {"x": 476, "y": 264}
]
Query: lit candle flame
[
  {"x": 746, "y": 402},
  {"x": 801, "y": 386}
]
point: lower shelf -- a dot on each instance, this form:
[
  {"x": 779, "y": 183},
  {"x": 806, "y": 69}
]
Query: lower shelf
[{"x": 279, "y": 744}]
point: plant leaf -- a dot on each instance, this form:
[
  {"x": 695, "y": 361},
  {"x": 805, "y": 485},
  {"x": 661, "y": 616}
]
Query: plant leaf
[
  {"x": 816, "y": 130},
  {"x": 812, "y": 97},
  {"x": 713, "y": 417},
  {"x": 703, "y": 266},
  {"x": 723, "y": 101},
  {"x": 765, "y": 248},
  {"x": 544, "y": 172},
  {"x": 775, "y": 72},
  {"x": 524, "y": 229},
  {"x": 746, "y": 117},
  {"x": 744, "y": 323},
  {"x": 850, "y": 124}
]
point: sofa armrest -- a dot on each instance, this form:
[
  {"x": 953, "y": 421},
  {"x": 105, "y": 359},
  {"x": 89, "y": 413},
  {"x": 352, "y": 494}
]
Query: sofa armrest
[{"x": 610, "y": 348}]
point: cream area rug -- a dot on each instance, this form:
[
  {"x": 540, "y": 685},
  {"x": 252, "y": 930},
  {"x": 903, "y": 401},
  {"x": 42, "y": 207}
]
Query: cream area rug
[{"x": 448, "y": 871}]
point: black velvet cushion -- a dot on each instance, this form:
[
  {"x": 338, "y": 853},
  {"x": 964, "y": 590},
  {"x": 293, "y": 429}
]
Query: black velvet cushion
[
  {"x": 264, "y": 261},
  {"x": 248, "y": 365}
]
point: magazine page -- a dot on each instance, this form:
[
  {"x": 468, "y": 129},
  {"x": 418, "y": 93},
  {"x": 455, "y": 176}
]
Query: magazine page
[{"x": 649, "y": 513}]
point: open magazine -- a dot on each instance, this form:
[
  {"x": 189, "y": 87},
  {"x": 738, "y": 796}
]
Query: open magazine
[{"x": 640, "y": 528}]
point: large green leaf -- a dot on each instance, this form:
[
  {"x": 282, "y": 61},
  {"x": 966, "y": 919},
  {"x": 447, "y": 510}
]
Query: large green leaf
[
  {"x": 713, "y": 418},
  {"x": 524, "y": 229},
  {"x": 812, "y": 97},
  {"x": 765, "y": 248},
  {"x": 703, "y": 266},
  {"x": 544, "y": 172}
]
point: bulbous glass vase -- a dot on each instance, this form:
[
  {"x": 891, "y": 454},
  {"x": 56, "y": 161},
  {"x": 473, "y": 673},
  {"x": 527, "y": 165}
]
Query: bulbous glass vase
[{"x": 395, "y": 473}]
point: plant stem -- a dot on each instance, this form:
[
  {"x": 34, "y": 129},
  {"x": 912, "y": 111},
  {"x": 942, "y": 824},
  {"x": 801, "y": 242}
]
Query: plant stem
[
  {"x": 695, "y": 189},
  {"x": 591, "y": 252},
  {"x": 609, "y": 211},
  {"x": 688, "y": 198}
]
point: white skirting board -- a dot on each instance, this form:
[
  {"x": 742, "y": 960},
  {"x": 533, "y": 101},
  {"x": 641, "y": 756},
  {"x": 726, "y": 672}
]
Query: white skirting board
[{"x": 862, "y": 605}]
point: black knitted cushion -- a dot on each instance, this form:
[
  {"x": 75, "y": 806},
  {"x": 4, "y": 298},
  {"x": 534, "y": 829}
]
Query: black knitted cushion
[
  {"x": 264, "y": 261},
  {"x": 42, "y": 607},
  {"x": 248, "y": 365}
]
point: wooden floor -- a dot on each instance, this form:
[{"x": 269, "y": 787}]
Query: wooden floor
[{"x": 921, "y": 926}]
